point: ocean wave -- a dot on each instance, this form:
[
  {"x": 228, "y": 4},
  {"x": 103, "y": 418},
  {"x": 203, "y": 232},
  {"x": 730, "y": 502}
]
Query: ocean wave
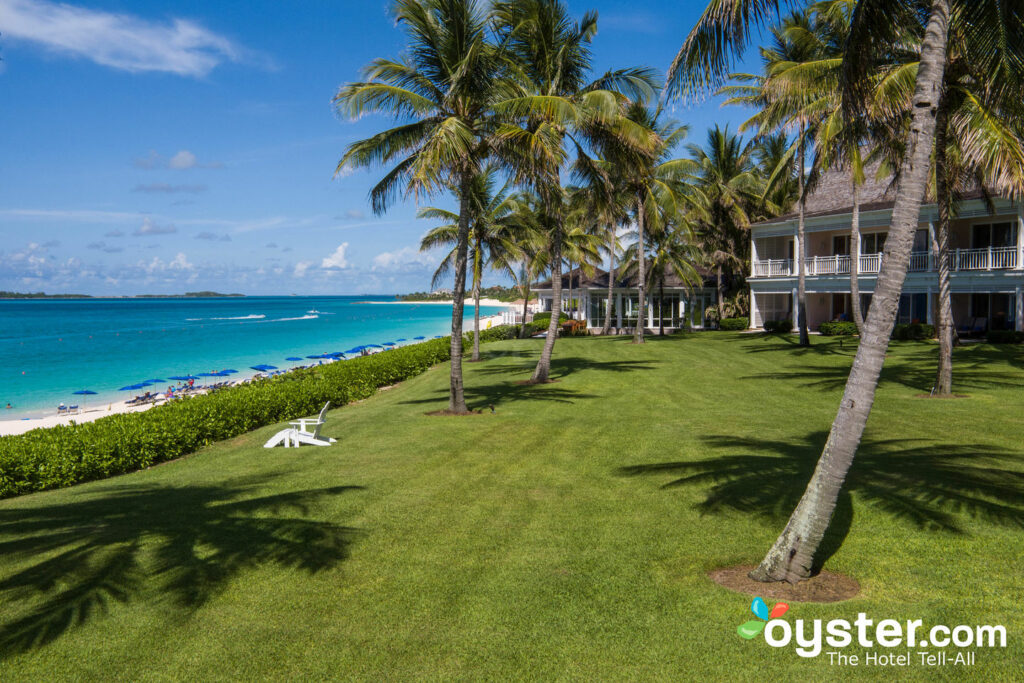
[
  {"x": 254, "y": 316},
  {"x": 301, "y": 317}
]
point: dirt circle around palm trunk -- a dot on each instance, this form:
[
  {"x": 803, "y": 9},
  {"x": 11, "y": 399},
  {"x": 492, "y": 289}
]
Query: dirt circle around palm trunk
[
  {"x": 942, "y": 396},
  {"x": 823, "y": 587},
  {"x": 451, "y": 413}
]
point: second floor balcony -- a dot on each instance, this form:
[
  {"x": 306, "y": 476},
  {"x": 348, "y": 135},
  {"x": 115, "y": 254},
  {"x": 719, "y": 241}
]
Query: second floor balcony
[{"x": 992, "y": 258}]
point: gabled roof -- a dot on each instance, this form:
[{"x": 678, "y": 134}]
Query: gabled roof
[{"x": 833, "y": 194}]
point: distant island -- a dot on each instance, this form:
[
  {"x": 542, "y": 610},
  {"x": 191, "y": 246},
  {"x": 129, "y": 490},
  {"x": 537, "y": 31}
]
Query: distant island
[
  {"x": 186, "y": 295},
  {"x": 497, "y": 293}
]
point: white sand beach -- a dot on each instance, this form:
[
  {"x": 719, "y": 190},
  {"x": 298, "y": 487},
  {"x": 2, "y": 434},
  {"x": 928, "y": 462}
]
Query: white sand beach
[{"x": 95, "y": 412}]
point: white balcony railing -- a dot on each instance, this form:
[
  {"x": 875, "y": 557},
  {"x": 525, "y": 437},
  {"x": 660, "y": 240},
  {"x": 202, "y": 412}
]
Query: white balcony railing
[{"x": 996, "y": 258}]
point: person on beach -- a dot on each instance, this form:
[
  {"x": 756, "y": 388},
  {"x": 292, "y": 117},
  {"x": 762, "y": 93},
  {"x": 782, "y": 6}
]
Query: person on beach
[{"x": 9, "y": 406}]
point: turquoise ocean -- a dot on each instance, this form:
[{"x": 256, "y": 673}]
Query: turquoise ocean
[{"x": 51, "y": 348}]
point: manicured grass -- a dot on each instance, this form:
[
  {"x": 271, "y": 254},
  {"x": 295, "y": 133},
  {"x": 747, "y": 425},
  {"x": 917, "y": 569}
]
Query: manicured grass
[{"x": 567, "y": 535}]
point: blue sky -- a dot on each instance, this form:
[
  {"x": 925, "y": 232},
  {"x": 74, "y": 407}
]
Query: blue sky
[{"x": 167, "y": 147}]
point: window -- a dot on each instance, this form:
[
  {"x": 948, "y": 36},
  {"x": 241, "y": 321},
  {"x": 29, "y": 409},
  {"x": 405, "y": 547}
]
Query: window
[
  {"x": 631, "y": 304},
  {"x": 841, "y": 245},
  {"x": 595, "y": 313},
  {"x": 666, "y": 310},
  {"x": 873, "y": 242},
  {"x": 995, "y": 235},
  {"x": 913, "y": 308}
]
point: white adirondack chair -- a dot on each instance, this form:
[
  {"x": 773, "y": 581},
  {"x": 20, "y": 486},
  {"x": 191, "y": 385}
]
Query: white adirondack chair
[{"x": 304, "y": 431}]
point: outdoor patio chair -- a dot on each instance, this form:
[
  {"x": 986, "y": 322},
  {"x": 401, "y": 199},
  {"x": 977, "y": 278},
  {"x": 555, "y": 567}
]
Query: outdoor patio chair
[{"x": 304, "y": 431}]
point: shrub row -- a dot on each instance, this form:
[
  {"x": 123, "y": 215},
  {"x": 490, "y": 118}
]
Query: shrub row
[
  {"x": 61, "y": 456},
  {"x": 778, "y": 326},
  {"x": 734, "y": 324},
  {"x": 545, "y": 318},
  {"x": 913, "y": 331},
  {"x": 838, "y": 329},
  {"x": 1004, "y": 337}
]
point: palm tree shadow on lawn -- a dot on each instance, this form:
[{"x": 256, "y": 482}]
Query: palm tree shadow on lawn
[
  {"x": 931, "y": 486},
  {"x": 184, "y": 544}
]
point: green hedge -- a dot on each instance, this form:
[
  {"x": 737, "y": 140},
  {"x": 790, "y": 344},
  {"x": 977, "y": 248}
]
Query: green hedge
[
  {"x": 838, "y": 329},
  {"x": 1004, "y": 337},
  {"x": 778, "y": 326},
  {"x": 62, "y": 456},
  {"x": 546, "y": 318},
  {"x": 913, "y": 331},
  {"x": 734, "y": 324}
]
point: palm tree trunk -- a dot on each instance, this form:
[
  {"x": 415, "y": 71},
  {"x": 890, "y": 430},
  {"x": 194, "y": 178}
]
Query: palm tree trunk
[
  {"x": 456, "y": 395},
  {"x": 611, "y": 284},
  {"x": 946, "y": 330},
  {"x": 638, "y": 334},
  {"x": 791, "y": 558},
  {"x": 801, "y": 236},
  {"x": 858, "y": 316},
  {"x": 720, "y": 289},
  {"x": 543, "y": 370},
  {"x": 476, "y": 302}
]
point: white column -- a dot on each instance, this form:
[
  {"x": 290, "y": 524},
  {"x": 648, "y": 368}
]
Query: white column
[
  {"x": 1020, "y": 240},
  {"x": 797, "y": 263},
  {"x": 796, "y": 308},
  {"x": 929, "y": 319},
  {"x": 618, "y": 309},
  {"x": 1020, "y": 309},
  {"x": 933, "y": 257},
  {"x": 753, "y": 310},
  {"x": 753, "y": 254}
]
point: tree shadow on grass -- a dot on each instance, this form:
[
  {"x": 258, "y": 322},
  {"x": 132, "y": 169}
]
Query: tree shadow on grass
[
  {"x": 789, "y": 345},
  {"x": 481, "y": 397},
  {"x": 70, "y": 561},
  {"x": 932, "y": 486},
  {"x": 563, "y": 367}
]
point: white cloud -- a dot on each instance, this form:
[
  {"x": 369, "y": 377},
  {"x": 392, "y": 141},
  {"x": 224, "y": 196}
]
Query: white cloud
[
  {"x": 148, "y": 228},
  {"x": 337, "y": 260},
  {"x": 158, "y": 266},
  {"x": 301, "y": 267},
  {"x": 120, "y": 41},
  {"x": 404, "y": 258},
  {"x": 182, "y": 160},
  {"x": 167, "y": 188}
]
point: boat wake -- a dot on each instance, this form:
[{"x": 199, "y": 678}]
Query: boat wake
[
  {"x": 254, "y": 316},
  {"x": 301, "y": 317}
]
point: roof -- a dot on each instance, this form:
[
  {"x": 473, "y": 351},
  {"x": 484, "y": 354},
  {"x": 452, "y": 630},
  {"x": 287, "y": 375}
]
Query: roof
[
  {"x": 833, "y": 195},
  {"x": 599, "y": 280}
]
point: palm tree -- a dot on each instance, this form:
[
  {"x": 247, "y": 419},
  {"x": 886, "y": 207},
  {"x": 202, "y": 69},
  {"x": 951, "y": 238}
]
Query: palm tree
[
  {"x": 652, "y": 178},
  {"x": 724, "y": 190},
  {"x": 703, "y": 61},
  {"x": 558, "y": 109},
  {"x": 979, "y": 142},
  {"x": 444, "y": 92},
  {"x": 497, "y": 227},
  {"x": 673, "y": 250},
  {"x": 799, "y": 44}
]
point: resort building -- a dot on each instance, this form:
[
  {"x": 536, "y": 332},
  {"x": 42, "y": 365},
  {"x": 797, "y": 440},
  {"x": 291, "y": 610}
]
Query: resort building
[
  {"x": 986, "y": 245},
  {"x": 672, "y": 305}
]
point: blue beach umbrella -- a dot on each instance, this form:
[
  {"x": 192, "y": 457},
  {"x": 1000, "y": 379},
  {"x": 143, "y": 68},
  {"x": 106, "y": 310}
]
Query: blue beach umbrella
[
  {"x": 355, "y": 349},
  {"x": 403, "y": 339},
  {"x": 389, "y": 343},
  {"x": 293, "y": 358},
  {"x": 229, "y": 371},
  {"x": 437, "y": 336},
  {"x": 153, "y": 381},
  {"x": 207, "y": 374},
  {"x": 314, "y": 357},
  {"x": 84, "y": 392},
  {"x": 181, "y": 378},
  {"x": 419, "y": 337},
  {"x": 133, "y": 387}
]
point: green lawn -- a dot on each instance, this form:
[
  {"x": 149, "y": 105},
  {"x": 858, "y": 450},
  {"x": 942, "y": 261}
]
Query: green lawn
[{"x": 567, "y": 535}]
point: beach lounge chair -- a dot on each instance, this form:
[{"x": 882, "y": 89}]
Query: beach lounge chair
[
  {"x": 304, "y": 431},
  {"x": 73, "y": 410}
]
